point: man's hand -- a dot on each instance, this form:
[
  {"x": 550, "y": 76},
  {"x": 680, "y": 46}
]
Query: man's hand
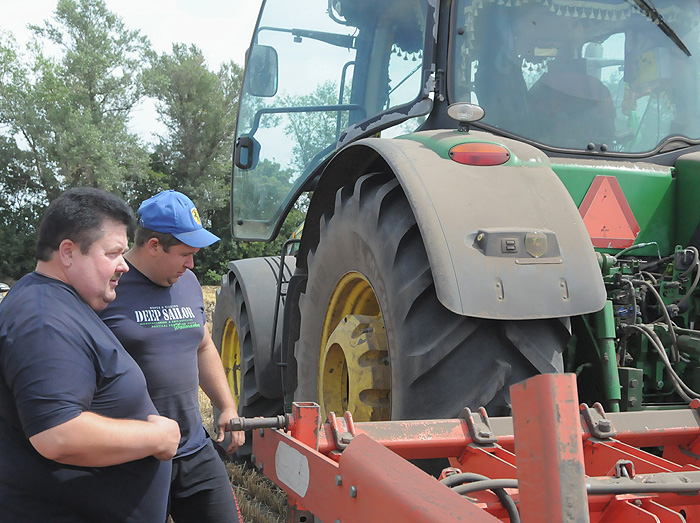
[
  {"x": 237, "y": 437},
  {"x": 170, "y": 436}
]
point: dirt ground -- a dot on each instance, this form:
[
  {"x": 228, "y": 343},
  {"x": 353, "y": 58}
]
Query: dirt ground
[{"x": 259, "y": 500}]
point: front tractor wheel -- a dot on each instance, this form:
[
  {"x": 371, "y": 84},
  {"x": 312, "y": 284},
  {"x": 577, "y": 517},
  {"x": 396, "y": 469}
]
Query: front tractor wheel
[
  {"x": 375, "y": 340},
  {"x": 231, "y": 358},
  {"x": 233, "y": 336},
  {"x": 242, "y": 304}
]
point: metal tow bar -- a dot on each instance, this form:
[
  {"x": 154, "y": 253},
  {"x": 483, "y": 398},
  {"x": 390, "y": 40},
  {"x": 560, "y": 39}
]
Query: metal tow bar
[{"x": 274, "y": 422}]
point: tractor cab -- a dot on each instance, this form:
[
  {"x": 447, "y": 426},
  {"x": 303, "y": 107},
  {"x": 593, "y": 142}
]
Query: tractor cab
[{"x": 587, "y": 78}]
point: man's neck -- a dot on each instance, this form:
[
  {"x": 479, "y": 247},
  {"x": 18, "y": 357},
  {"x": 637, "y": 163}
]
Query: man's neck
[
  {"x": 139, "y": 258},
  {"x": 51, "y": 269},
  {"x": 136, "y": 258}
]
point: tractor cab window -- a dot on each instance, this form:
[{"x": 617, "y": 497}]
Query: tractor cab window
[
  {"x": 315, "y": 68},
  {"x": 587, "y": 75}
]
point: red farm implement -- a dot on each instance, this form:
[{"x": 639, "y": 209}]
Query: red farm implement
[{"x": 554, "y": 460}]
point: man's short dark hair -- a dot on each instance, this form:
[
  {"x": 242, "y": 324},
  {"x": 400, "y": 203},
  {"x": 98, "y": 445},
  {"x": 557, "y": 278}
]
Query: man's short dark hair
[
  {"x": 165, "y": 239},
  {"x": 78, "y": 215}
]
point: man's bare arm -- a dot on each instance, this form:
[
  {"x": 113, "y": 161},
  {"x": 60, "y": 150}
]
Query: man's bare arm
[
  {"x": 91, "y": 440},
  {"x": 212, "y": 379}
]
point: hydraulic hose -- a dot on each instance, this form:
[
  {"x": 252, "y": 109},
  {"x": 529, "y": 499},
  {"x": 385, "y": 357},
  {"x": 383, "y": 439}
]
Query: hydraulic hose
[
  {"x": 696, "y": 260},
  {"x": 694, "y": 265},
  {"x": 635, "y": 247},
  {"x": 683, "y": 390},
  {"x": 593, "y": 489},
  {"x": 667, "y": 317},
  {"x": 457, "y": 482}
]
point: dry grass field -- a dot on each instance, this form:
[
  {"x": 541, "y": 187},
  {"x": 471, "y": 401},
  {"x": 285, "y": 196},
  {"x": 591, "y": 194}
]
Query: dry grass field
[{"x": 260, "y": 500}]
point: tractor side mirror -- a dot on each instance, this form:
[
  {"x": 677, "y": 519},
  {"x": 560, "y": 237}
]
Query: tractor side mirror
[
  {"x": 262, "y": 71},
  {"x": 246, "y": 152}
]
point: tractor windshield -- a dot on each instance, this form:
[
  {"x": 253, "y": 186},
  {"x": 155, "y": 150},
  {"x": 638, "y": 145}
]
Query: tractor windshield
[{"x": 612, "y": 75}]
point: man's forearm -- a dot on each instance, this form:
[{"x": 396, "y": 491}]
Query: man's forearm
[
  {"x": 90, "y": 440},
  {"x": 212, "y": 378}
]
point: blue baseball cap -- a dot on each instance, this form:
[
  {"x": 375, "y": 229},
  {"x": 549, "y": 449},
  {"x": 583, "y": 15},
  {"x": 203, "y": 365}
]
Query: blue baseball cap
[{"x": 173, "y": 212}]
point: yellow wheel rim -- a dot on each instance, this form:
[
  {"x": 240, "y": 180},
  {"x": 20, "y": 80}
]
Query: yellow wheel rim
[
  {"x": 231, "y": 358},
  {"x": 354, "y": 371}
]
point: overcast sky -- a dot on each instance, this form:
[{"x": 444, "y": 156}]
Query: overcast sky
[{"x": 220, "y": 28}]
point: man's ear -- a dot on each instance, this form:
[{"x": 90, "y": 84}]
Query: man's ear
[
  {"x": 65, "y": 252},
  {"x": 152, "y": 246}
]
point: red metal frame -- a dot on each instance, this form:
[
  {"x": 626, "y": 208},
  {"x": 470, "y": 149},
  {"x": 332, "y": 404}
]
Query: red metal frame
[
  {"x": 551, "y": 475},
  {"x": 566, "y": 453}
]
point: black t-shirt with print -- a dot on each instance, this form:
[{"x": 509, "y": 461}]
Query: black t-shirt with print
[
  {"x": 57, "y": 360},
  {"x": 162, "y": 328}
]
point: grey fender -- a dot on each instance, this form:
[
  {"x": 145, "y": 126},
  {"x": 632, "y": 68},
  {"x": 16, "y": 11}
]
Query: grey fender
[
  {"x": 258, "y": 280},
  {"x": 468, "y": 214}
]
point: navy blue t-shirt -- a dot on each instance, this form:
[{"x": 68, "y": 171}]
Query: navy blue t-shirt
[
  {"x": 162, "y": 328},
  {"x": 57, "y": 360}
]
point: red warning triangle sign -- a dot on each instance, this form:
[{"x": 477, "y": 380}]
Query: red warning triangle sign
[{"x": 607, "y": 216}]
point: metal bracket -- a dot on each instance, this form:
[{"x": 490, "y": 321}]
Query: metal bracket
[
  {"x": 341, "y": 437},
  {"x": 479, "y": 431},
  {"x": 624, "y": 468},
  {"x": 298, "y": 515},
  {"x": 596, "y": 422},
  {"x": 695, "y": 405}
]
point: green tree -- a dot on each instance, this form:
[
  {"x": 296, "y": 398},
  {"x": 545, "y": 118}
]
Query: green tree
[
  {"x": 71, "y": 109},
  {"x": 20, "y": 204},
  {"x": 212, "y": 262},
  {"x": 198, "y": 108},
  {"x": 313, "y": 131},
  {"x": 259, "y": 196}
]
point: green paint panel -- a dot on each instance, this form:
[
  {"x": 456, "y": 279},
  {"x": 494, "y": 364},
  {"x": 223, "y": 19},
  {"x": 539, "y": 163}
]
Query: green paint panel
[
  {"x": 688, "y": 204},
  {"x": 665, "y": 201},
  {"x": 650, "y": 194}
]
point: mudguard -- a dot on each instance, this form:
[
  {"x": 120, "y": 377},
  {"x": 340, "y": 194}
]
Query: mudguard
[
  {"x": 258, "y": 279},
  {"x": 469, "y": 216}
]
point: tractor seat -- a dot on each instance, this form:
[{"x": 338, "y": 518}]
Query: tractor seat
[{"x": 571, "y": 109}]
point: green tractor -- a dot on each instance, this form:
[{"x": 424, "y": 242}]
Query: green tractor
[{"x": 493, "y": 189}]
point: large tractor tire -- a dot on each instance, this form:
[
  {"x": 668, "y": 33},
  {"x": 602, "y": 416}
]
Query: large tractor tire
[
  {"x": 374, "y": 338},
  {"x": 242, "y": 330}
]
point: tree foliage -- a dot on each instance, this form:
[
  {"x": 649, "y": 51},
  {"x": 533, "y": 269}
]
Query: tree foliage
[
  {"x": 65, "y": 104},
  {"x": 64, "y": 107},
  {"x": 313, "y": 131},
  {"x": 20, "y": 206},
  {"x": 260, "y": 196},
  {"x": 198, "y": 108},
  {"x": 70, "y": 108}
]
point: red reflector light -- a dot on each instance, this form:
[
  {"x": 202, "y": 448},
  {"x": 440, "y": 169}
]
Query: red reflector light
[{"x": 479, "y": 154}]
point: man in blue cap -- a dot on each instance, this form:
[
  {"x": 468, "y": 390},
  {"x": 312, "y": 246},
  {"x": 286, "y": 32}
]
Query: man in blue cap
[{"x": 159, "y": 318}]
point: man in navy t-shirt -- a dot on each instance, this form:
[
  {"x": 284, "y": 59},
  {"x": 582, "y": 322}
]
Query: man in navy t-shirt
[
  {"x": 159, "y": 317},
  {"x": 80, "y": 439}
]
